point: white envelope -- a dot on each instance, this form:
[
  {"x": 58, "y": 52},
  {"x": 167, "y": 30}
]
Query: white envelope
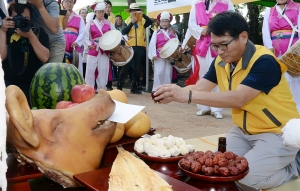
[{"x": 124, "y": 112}]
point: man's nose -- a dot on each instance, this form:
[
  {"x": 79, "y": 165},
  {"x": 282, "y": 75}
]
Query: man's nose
[{"x": 220, "y": 51}]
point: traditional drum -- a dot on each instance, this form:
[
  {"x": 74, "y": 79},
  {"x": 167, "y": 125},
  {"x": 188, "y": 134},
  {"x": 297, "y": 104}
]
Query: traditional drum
[
  {"x": 190, "y": 43},
  {"x": 184, "y": 63},
  {"x": 171, "y": 50},
  {"x": 120, "y": 54},
  {"x": 291, "y": 59}
]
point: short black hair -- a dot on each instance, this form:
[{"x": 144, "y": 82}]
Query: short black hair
[
  {"x": 119, "y": 16},
  {"x": 229, "y": 22},
  {"x": 108, "y": 2},
  {"x": 12, "y": 7}
]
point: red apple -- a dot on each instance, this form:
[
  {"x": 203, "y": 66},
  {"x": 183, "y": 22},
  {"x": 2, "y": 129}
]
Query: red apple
[
  {"x": 63, "y": 104},
  {"x": 82, "y": 93},
  {"x": 73, "y": 104}
]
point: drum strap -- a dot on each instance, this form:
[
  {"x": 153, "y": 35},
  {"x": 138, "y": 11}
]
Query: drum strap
[
  {"x": 166, "y": 33},
  {"x": 294, "y": 28},
  {"x": 98, "y": 26}
]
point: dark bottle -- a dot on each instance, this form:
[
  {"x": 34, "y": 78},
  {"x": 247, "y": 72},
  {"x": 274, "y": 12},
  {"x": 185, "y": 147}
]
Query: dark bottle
[{"x": 222, "y": 144}]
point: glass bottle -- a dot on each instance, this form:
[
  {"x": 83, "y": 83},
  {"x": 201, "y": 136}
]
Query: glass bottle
[{"x": 222, "y": 144}]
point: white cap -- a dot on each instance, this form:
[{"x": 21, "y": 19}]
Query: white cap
[
  {"x": 165, "y": 15},
  {"x": 100, "y": 6}
]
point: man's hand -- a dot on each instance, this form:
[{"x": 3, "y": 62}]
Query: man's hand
[
  {"x": 7, "y": 23},
  {"x": 171, "y": 92},
  {"x": 204, "y": 32},
  {"x": 133, "y": 20},
  {"x": 28, "y": 34},
  {"x": 37, "y": 3},
  {"x": 154, "y": 58}
]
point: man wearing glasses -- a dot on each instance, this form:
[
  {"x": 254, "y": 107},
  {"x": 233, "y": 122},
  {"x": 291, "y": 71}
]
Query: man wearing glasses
[
  {"x": 252, "y": 82},
  {"x": 201, "y": 13}
]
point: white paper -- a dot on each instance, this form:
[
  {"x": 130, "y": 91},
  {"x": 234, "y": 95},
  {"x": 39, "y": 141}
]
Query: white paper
[{"x": 124, "y": 112}]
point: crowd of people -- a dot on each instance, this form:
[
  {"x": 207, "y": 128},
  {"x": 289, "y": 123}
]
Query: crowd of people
[{"x": 232, "y": 71}]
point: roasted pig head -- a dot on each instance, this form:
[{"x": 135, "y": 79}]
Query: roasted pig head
[{"x": 60, "y": 142}]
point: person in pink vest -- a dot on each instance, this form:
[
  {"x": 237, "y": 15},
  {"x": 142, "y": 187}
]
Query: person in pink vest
[
  {"x": 278, "y": 35},
  {"x": 73, "y": 33},
  {"x": 97, "y": 58},
  {"x": 202, "y": 12},
  {"x": 162, "y": 67}
]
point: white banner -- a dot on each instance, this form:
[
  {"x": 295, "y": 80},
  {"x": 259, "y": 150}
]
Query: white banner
[
  {"x": 157, "y": 5},
  {"x": 154, "y": 7}
]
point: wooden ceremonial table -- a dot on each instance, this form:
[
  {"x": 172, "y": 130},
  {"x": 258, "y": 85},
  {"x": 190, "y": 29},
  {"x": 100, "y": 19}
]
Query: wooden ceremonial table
[{"x": 26, "y": 178}]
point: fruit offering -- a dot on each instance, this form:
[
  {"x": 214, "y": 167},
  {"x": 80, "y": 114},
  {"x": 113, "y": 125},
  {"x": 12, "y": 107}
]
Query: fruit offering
[
  {"x": 209, "y": 163},
  {"x": 138, "y": 125},
  {"x": 53, "y": 83},
  {"x": 157, "y": 146}
]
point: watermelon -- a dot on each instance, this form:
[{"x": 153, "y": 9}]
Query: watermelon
[{"x": 53, "y": 83}]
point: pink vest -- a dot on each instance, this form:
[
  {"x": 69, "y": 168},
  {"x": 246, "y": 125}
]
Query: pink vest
[
  {"x": 71, "y": 33},
  {"x": 161, "y": 40},
  {"x": 203, "y": 17},
  {"x": 95, "y": 34},
  {"x": 277, "y": 22}
]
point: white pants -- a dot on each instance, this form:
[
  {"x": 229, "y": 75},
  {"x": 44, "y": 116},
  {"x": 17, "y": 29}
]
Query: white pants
[
  {"x": 271, "y": 163},
  {"x": 204, "y": 66},
  {"x": 102, "y": 63},
  {"x": 294, "y": 83},
  {"x": 162, "y": 73}
]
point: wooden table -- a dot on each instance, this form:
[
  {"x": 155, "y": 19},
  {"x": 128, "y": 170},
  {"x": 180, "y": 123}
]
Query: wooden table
[
  {"x": 18, "y": 175},
  {"x": 110, "y": 153},
  {"x": 18, "y": 172},
  {"x": 98, "y": 180}
]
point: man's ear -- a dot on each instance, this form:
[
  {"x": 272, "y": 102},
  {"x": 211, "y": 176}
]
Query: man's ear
[
  {"x": 244, "y": 36},
  {"x": 20, "y": 114}
]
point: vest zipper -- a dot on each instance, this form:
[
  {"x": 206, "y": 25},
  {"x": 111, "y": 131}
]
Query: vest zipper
[
  {"x": 229, "y": 88},
  {"x": 245, "y": 112},
  {"x": 271, "y": 117},
  {"x": 245, "y": 122},
  {"x": 135, "y": 37}
]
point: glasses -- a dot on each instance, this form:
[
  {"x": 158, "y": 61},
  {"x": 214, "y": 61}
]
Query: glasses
[
  {"x": 215, "y": 47},
  {"x": 100, "y": 11},
  {"x": 69, "y": 2}
]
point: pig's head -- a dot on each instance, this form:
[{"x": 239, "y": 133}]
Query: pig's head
[{"x": 60, "y": 142}]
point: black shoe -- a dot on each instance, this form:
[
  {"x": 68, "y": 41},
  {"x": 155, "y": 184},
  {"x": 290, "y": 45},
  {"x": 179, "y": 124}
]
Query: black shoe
[
  {"x": 119, "y": 86},
  {"x": 109, "y": 88},
  {"x": 135, "y": 90}
]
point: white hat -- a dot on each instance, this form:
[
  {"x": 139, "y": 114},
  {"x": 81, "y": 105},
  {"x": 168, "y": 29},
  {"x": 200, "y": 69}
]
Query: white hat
[
  {"x": 100, "y": 6},
  {"x": 133, "y": 6},
  {"x": 164, "y": 15}
]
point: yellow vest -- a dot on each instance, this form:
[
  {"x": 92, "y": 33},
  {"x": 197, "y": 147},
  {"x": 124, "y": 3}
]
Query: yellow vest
[
  {"x": 265, "y": 113},
  {"x": 138, "y": 34},
  {"x": 112, "y": 18}
]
